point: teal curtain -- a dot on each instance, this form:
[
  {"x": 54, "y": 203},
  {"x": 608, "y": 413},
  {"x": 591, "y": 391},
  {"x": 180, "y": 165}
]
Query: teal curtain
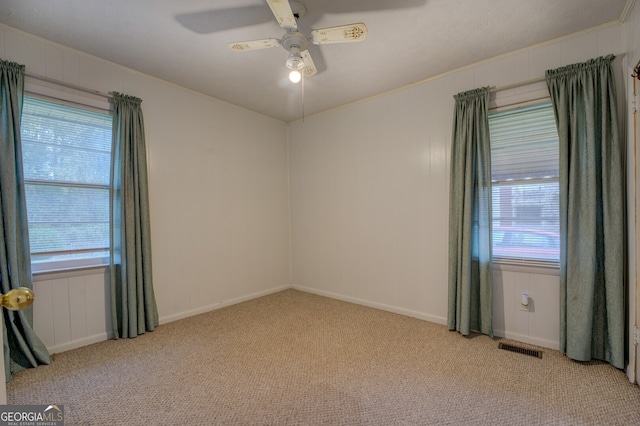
[
  {"x": 133, "y": 304},
  {"x": 22, "y": 348},
  {"x": 470, "y": 274},
  {"x": 592, "y": 230}
]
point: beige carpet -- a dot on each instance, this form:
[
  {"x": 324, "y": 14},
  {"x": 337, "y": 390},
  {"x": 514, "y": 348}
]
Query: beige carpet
[{"x": 297, "y": 358}]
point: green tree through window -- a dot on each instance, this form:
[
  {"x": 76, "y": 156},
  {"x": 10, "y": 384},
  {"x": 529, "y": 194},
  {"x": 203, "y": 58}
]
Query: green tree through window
[{"x": 66, "y": 158}]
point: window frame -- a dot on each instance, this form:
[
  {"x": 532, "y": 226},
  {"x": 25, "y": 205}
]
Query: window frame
[
  {"x": 521, "y": 263},
  {"x": 52, "y": 92}
]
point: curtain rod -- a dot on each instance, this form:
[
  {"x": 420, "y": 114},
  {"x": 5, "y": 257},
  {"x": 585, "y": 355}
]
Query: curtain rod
[
  {"x": 514, "y": 85},
  {"x": 68, "y": 85},
  {"x": 533, "y": 80}
]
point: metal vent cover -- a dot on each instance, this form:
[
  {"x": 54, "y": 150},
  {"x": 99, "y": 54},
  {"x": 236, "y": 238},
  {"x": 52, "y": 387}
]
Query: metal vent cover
[{"x": 517, "y": 349}]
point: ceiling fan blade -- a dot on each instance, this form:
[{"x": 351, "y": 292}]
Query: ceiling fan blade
[
  {"x": 309, "y": 67},
  {"x": 340, "y": 34},
  {"x": 240, "y": 46},
  {"x": 215, "y": 20},
  {"x": 283, "y": 13}
]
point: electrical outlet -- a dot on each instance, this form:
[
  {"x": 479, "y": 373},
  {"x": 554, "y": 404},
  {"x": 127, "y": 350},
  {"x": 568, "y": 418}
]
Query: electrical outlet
[{"x": 525, "y": 302}]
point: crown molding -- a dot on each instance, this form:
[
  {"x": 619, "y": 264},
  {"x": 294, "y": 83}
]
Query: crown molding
[{"x": 626, "y": 11}]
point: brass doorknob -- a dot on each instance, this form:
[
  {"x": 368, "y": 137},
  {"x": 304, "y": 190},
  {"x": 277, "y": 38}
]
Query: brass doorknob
[{"x": 17, "y": 299}]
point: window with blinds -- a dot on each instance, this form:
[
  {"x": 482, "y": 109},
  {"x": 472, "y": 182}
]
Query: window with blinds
[
  {"x": 66, "y": 153},
  {"x": 524, "y": 175}
]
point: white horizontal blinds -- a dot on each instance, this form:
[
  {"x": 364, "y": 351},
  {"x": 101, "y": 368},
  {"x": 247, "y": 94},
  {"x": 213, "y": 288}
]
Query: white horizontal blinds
[
  {"x": 524, "y": 169},
  {"x": 66, "y": 158}
]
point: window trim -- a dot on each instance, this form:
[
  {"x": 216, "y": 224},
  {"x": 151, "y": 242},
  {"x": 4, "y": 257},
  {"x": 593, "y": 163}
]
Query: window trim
[
  {"x": 68, "y": 265},
  {"x": 545, "y": 267},
  {"x": 527, "y": 269},
  {"x": 52, "y": 92}
]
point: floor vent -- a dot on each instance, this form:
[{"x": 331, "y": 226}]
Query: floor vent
[{"x": 518, "y": 349}]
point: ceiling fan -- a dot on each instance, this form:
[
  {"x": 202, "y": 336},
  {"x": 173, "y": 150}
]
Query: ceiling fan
[{"x": 287, "y": 12}]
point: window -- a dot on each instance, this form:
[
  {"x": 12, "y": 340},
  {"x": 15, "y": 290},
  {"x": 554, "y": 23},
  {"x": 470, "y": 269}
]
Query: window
[
  {"x": 66, "y": 153},
  {"x": 524, "y": 176}
]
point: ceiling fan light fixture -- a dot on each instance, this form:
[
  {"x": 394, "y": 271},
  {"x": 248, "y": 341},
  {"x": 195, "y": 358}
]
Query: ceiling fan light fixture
[
  {"x": 295, "y": 62},
  {"x": 295, "y": 76}
]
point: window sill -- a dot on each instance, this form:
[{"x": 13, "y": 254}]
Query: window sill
[
  {"x": 529, "y": 269},
  {"x": 65, "y": 272}
]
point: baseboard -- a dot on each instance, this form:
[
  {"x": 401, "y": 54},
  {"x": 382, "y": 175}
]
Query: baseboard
[
  {"x": 376, "y": 305},
  {"x": 86, "y": 341},
  {"x": 219, "y": 305},
  {"x": 402, "y": 311},
  {"x": 75, "y": 344},
  {"x": 545, "y": 343}
]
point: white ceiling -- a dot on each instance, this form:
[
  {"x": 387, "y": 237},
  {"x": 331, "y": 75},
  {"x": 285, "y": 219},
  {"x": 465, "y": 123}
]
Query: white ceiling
[{"x": 185, "y": 42}]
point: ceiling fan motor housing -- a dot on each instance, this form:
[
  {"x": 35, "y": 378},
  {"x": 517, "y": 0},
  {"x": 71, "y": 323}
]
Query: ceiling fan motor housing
[{"x": 295, "y": 42}]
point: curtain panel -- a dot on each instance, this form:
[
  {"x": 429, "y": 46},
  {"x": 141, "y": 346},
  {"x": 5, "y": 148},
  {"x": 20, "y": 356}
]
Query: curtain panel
[
  {"x": 22, "y": 348},
  {"x": 470, "y": 274},
  {"x": 133, "y": 304},
  {"x": 592, "y": 220}
]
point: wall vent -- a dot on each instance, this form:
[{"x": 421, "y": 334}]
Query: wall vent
[{"x": 517, "y": 349}]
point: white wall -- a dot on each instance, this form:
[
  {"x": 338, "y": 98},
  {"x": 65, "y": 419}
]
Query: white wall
[
  {"x": 71, "y": 309},
  {"x": 631, "y": 42},
  {"x": 218, "y": 192},
  {"x": 369, "y": 194}
]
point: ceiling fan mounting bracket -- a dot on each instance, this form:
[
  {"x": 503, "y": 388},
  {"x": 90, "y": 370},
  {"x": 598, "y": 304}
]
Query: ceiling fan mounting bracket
[{"x": 297, "y": 8}]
